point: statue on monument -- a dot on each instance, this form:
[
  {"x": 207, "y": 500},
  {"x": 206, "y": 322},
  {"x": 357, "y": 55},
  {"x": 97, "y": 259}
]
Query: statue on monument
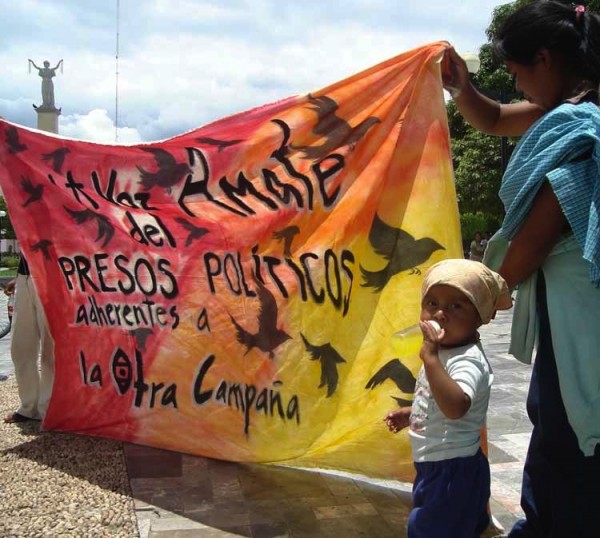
[{"x": 46, "y": 73}]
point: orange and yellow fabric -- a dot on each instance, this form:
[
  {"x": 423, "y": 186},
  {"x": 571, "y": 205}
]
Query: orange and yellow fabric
[{"x": 232, "y": 292}]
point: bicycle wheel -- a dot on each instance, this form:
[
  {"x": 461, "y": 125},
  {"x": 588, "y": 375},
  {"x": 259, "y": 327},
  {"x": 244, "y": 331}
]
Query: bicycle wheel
[{"x": 5, "y": 319}]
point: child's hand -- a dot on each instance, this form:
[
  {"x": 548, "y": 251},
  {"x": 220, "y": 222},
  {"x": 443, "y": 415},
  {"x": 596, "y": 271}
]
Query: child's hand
[
  {"x": 398, "y": 419},
  {"x": 431, "y": 340},
  {"x": 432, "y": 332},
  {"x": 9, "y": 289}
]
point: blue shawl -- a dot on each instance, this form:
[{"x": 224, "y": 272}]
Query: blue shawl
[{"x": 563, "y": 146}]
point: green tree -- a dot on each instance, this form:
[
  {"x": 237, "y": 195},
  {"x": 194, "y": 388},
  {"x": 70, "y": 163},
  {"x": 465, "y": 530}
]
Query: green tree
[
  {"x": 477, "y": 157},
  {"x": 478, "y": 172},
  {"x": 6, "y": 225}
]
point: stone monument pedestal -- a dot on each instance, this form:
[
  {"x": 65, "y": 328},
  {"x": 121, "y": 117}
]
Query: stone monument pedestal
[{"x": 47, "y": 118}]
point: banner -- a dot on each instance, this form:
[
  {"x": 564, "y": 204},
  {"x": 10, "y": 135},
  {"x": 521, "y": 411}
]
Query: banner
[{"x": 232, "y": 292}]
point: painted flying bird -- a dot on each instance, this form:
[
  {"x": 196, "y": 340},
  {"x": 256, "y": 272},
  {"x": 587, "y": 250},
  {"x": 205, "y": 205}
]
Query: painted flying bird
[
  {"x": 195, "y": 232},
  {"x": 268, "y": 337},
  {"x": 141, "y": 335},
  {"x": 286, "y": 235},
  {"x": 169, "y": 172},
  {"x": 57, "y": 157},
  {"x": 329, "y": 359},
  {"x": 401, "y": 250},
  {"x": 34, "y": 191},
  {"x": 42, "y": 246},
  {"x": 105, "y": 227},
  {"x": 396, "y": 372},
  {"x": 402, "y": 402},
  {"x": 13, "y": 142},
  {"x": 337, "y": 131},
  {"x": 221, "y": 144}
]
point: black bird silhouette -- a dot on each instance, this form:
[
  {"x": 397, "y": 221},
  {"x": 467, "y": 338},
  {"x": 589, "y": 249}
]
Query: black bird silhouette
[
  {"x": 195, "y": 232},
  {"x": 57, "y": 157},
  {"x": 34, "y": 191},
  {"x": 400, "y": 249},
  {"x": 402, "y": 402},
  {"x": 141, "y": 335},
  {"x": 268, "y": 337},
  {"x": 287, "y": 236},
  {"x": 221, "y": 144},
  {"x": 42, "y": 246},
  {"x": 169, "y": 172},
  {"x": 105, "y": 227},
  {"x": 13, "y": 142},
  {"x": 337, "y": 131},
  {"x": 397, "y": 372},
  {"x": 329, "y": 359}
]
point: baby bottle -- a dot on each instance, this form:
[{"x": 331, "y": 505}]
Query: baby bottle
[{"x": 408, "y": 341}]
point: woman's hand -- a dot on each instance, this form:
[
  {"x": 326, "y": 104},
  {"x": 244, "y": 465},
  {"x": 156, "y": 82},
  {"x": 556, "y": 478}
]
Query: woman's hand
[{"x": 455, "y": 75}]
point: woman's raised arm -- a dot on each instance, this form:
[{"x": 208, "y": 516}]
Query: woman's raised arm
[{"x": 481, "y": 112}]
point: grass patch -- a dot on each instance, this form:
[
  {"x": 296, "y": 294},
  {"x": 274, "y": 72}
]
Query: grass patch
[{"x": 8, "y": 271}]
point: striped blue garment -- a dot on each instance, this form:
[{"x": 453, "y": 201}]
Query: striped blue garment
[{"x": 563, "y": 146}]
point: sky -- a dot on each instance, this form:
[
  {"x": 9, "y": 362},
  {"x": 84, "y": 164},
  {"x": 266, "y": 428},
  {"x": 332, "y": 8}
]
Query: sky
[{"x": 185, "y": 63}]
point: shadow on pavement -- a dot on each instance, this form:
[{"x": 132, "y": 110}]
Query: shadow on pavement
[{"x": 195, "y": 496}]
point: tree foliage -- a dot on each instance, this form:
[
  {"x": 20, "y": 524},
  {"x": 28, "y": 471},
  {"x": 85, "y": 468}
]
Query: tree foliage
[
  {"x": 5, "y": 223},
  {"x": 478, "y": 172}
]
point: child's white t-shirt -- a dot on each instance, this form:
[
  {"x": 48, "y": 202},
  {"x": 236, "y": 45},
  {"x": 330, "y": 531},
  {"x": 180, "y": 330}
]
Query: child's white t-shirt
[{"x": 435, "y": 437}]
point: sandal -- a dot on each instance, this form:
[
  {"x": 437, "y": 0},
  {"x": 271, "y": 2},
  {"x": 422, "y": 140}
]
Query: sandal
[{"x": 15, "y": 417}]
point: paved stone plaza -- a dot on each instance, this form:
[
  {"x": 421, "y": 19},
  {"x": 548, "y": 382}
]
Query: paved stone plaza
[{"x": 175, "y": 495}]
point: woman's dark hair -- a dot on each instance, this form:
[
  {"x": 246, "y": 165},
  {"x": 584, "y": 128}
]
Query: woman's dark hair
[{"x": 558, "y": 27}]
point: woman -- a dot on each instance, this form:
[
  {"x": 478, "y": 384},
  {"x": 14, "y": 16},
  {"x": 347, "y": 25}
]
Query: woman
[{"x": 549, "y": 245}]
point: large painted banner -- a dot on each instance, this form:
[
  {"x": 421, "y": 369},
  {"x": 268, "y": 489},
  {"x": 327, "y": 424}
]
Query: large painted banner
[{"x": 232, "y": 292}]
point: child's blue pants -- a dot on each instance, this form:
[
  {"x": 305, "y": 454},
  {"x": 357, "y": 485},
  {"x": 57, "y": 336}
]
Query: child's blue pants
[{"x": 450, "y": 498}]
